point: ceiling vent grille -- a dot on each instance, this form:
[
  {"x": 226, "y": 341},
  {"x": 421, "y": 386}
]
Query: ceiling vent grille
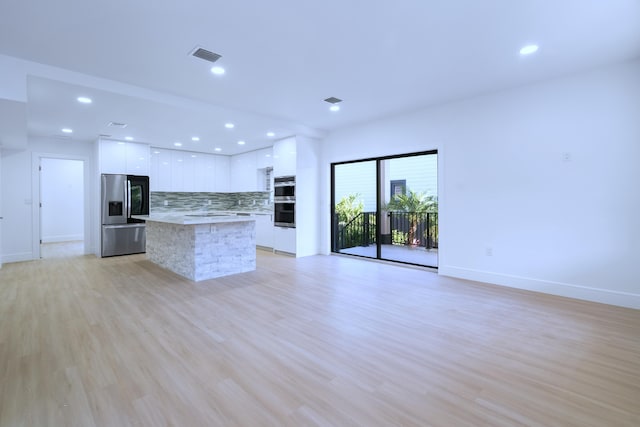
[
  {"x": 117, "y": 125},
  {"x": 205, "y": 54},
  {"x": 333, "y": 100}
]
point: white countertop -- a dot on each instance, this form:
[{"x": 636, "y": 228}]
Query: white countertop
[{"x": 195, "y": 218}]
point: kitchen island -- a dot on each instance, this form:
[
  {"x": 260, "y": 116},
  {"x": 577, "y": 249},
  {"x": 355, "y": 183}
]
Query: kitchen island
[{"x": 201, "y": 246}]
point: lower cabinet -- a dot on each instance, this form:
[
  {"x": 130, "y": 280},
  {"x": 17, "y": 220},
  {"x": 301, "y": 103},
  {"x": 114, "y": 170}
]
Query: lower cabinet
[
  {"x": 284, "y": 239},
  {"x": 264, "y": 230}
]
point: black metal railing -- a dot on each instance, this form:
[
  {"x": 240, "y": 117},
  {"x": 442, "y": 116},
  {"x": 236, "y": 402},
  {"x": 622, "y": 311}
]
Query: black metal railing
[
  {"x": 359, "y": 231},
  {"x": 405, "y": 228},
  {"x": 414, "y": 228}
]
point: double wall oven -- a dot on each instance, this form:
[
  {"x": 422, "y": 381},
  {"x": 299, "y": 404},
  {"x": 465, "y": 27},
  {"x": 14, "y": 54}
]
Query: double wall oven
[{"x": 284, "y": 201}]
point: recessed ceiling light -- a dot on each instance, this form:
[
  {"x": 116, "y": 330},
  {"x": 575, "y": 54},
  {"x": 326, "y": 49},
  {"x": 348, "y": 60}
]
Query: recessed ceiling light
[
  {"x": 218, "y": 71},
  {"x": 128, "y": 138},
  {"x": 271, "y": 134},
  {"x": 195, "y": 138},
  {"x": 229, "y": 125},
  {"x": 334, "y": 108},
  {"x": 156, "y": 152},
  {"x": 217, "y": 149},
  {"x": 241, "y": 142},
  {"x": 529, "y": 49},
  {"x": 84, "y": 100},
  {"x": 66, "y": 130},
  {"x": 193, "y": 156},
  {"x": 178, "y": 144}
]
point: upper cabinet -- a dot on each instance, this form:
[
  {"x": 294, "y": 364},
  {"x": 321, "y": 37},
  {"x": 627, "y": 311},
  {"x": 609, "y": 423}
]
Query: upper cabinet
[
  {"x": 264, "y": 158},
  {"x": 222, "y": 173},
  {"x": 173, "y": 170},
  {"x": 160, "y": 176},
  {"x": 284, "y": 157},
  {"x": 124, "y": 157},
  {"x": 248, "y": 170}
]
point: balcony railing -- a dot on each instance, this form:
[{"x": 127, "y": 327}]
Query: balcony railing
[
  {"x": 359, "y": 231},
  {"x": 405, "y": 228},
  {"x": 414, "y": 228}
]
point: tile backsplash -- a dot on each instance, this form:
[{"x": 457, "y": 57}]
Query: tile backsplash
[{"x": 256, "y": 201}]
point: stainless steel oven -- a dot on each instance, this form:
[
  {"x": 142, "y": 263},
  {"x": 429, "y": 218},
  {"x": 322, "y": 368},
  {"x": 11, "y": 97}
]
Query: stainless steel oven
[
  {"x": 284, "y": 201},
  {"x": 284, "y": 187},
  {"x": 284, "y": 213}
]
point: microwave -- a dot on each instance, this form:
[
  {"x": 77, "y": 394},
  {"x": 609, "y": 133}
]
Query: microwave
[{"x": 284, "y": 188}]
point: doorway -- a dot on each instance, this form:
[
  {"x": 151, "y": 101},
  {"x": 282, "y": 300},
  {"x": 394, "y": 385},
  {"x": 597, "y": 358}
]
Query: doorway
[
  {"x": 62, "y": 211},
  {"x": 387, "y": 208}
]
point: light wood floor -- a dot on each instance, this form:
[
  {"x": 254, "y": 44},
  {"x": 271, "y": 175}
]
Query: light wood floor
[{"x": 323, "y": 340}]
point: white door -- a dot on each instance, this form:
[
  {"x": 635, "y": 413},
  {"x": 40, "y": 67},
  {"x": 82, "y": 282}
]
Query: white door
[{"x": 61, "y": 201}]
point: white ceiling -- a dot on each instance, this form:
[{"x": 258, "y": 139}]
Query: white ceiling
[{"x": 284, "y": 57}]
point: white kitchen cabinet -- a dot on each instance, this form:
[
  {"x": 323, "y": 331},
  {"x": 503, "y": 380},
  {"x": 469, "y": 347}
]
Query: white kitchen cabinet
[
  {"x": 264, "y": 230},
  {"x": 222, "y": 173},
  {"x": 181, "y": 170},
  {"x": 204, "y": 173},
  {"x": 264, "y": 158},
  {"x": 244, "y": 173},
  {"x": 160, "y": 176},
  {"x": 300, "y": 156},
  {"x": 284, "y": 157},
  {"x": 284, "y": 240},
  {"x": 184, "y": 171},
  {"x": 113, "y": 157},
  {"x": 137, "y": 158},
  {"x": 124, "y": 157}
]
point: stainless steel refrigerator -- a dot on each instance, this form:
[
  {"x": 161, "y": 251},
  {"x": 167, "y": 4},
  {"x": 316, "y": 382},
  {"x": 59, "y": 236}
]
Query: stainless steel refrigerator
[{"x": 122, "y": 197}]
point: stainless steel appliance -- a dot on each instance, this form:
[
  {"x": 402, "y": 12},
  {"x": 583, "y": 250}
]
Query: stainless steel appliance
[
  {"x": 122, "y": 197},
  {"x": 284, "y": 201}
]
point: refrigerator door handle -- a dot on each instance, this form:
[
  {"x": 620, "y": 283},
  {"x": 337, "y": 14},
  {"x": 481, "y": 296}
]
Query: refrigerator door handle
[{"x": 128, "y": 201}]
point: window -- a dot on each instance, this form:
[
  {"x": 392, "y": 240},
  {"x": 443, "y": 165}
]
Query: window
[{"x": 398, "y": 186}]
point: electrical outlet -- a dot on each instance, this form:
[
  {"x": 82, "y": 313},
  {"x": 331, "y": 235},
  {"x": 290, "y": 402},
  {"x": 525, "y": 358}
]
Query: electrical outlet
[
  {"x": 488, "y": 251},
  {"x": 166, "y": 203},
  {"x": 209, "y": 202}
]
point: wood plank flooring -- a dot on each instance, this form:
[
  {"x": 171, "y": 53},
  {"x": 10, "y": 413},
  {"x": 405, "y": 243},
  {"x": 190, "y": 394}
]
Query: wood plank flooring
[{"x": 316, "y": 341}]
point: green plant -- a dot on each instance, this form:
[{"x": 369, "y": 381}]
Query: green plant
[
  {"x": 349, "y": 207},
  {"x": 414, "y": 203}
]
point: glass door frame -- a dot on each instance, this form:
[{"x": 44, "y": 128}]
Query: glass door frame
[{"x": 379, "y": 198}]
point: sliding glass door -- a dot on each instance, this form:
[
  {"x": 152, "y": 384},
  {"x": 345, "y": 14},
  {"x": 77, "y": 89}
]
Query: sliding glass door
[
  {"x": 387, "y": 208},
  {"x": 355, "y": 208}
]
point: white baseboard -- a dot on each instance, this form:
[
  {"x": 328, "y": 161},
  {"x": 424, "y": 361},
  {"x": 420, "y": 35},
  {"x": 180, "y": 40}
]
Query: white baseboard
[
  {"x": 62, "y": 238},
  {"x": 18, "y": 257},
  {"x": 605, "y": 296}
]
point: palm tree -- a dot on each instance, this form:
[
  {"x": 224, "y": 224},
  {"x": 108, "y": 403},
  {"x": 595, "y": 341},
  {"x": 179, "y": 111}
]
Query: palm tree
[{"x": 414, "y": 204}]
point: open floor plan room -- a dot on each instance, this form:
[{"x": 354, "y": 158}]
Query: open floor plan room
[{"x": 320, "y": 340}]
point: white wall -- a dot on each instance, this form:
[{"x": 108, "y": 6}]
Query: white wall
[
  {"x": 17, "y": 229},
  {"x": 62, "y": 197},
  {"x": 21, "y": 189},
  {"x": 545, "y": 176}
]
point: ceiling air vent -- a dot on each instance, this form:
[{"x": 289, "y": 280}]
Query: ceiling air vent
[
  {"x": 117, "y": 125},
  {"x": 333, "y": 100},
  {"x": 205, "y": 54}
]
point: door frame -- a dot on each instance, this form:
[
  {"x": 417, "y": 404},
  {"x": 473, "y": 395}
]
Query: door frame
[
  {"x": 37, "y": 197},
  {"x": 379, "y": 196}
]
